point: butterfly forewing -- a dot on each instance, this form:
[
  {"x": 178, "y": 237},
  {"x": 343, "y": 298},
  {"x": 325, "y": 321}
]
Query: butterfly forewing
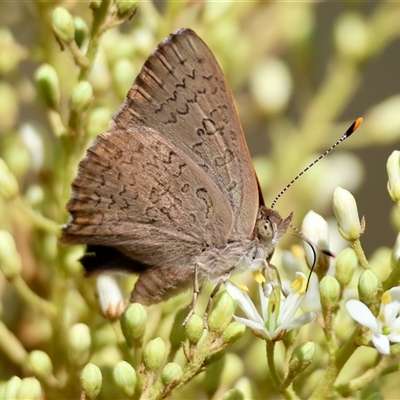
[{"x": 182, "y": 93}]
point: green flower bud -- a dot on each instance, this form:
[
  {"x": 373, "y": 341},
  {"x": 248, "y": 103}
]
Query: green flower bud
[
  {"x": 194, "y": 328},
  {"x": 125, "y": 378},
  {"x": 8, "y": 182},
  {"x": 40, "y": 364},
  {"x": 233, "y": 394},
  {"x": 11, "y": 52},
  {"x": 48, "y": 85},
  {"x": 10, "y": 260},
  {"x": 393, "y": 170},
  {"x": 222, "y": 312},
  {"x": 79, "y": 342},
  {"x": 345, "y": 209},
  {"x": 172, "y": 372},
  {"x": 12, "y": 387},
  {"x": 154, "y": 354},
  {"x": 301, "y": 358},
  {"x": 30, "y": 389},
  {"x": 329, "y": 289},
  {"x": 213, "y": 358},
  {"x": 63, "y": 25},
  {"x": 98, "y": 121},
  {"x": 123, "y": 74},
  {"x": 272, "y": 85},
  {"x": 81, "y": 96},
  {"x": 126, "y": 7},
  {"x": 134, "y": 322},
  {"x": 351, "y": 36},
  {"x": 382, "y": 124},
  {"x": 9, "y": 107},
  {"x": 91, "y": 380},
  {"x": 233, "y": 332},
  {"x": 368, "y": 287},
  {"x": 81, "y": 31},
  {"x": 346, "y": 264}
]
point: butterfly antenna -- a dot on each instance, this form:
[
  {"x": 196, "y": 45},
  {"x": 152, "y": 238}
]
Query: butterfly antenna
[{"x": 348, "y": 133}]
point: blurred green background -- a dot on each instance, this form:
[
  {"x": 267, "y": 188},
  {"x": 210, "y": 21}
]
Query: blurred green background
[{"x": 300, "y": 72}]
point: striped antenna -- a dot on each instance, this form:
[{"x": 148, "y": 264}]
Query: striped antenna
[{"x": 348, "y": 133}]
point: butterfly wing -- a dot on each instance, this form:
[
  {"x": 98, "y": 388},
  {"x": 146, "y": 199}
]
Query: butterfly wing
[
  {"x": 182, "y": 92},
  {"x": 139, "y": 193}
]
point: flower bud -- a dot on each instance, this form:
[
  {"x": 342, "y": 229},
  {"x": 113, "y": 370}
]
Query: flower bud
[
  {"x": 10, "y": 260},
  {"x": 98, "y": 121},
  {"x": 233, "y": 332},
  {"x": 213, "y": 358},
  {"x": 126, "y": 7},
  {"x": 171, "y": 372},
  {"x": 9, "y": 107},
  {"x": 8, "y": 182},
  {"x": 345, "y": 209},
  {"x": 316, "y": 229},
  {"x": 81, "y": 96},
  {"x": 112, "y": 301},
  {"x": 272, "y": 85},
  {"x": 63, "y": 25},
  {"x": 301, "y": 358},
  {"x": 393, "y": 170},
  {"x": 368, "y": 288},
  {"x": 222, "y": 312},
  {"x": 154, "y": 354},
  {"x": 194, "y": 328},
  {"x": 351, "y": 36},
  {"x": 382, "y": 122},
  {"x": 91, "y": 380},
  {"x": 346, "y": 264},
  {"x": 11, "y": 52},
  {"x": 329, "y": 289},
  {"x": 81, "y": 31},
  {"x": 30, "y": 389},
  {"x": 40, "y": 364},
  {"x": 178, "y": 333},
  {"x": 123, "y": 74},
  {"x": 125, "y": 378},
  {"x": 233, "y": 394},
  {"x": 79, "y": 342},
  {"x": 134, "y": 326},
  {"x": 48, "y": 85},
  {"x": 12, "y": 387}
]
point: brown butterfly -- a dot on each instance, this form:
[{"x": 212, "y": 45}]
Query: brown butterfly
[{"x": 169, "y": 192}]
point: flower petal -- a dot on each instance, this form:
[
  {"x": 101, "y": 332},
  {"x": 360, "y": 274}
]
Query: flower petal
[
  {"x": 381, "y": 343},
  {"x": 259, "y": 328},
  {"x": 303, "y": 319},
  {"x": 243, "y": 300},
  {"x": 363, "y": 315}
]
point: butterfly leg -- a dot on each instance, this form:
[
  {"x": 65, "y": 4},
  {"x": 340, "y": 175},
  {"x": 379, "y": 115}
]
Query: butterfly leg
[
  {"x": 266, "y": 270},
  {"x": 222, "y": 280},
  {"x": 196, "y": 291}
]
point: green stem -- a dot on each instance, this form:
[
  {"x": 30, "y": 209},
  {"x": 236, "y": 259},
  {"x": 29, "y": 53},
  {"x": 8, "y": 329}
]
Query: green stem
[
  {"x": 12, "y": 347},
  {"x": 369, "y": 376},
  {"x": 32, "y": 298},
  {"x": 100, "y": 16},
  {"x": 38, "y": 220},
  {"x": 356, "y": 245},
  {"x": 287, "y": 392}
]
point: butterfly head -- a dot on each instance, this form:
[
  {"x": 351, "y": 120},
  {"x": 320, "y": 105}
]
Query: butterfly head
[{"x": 270, "y": 227}]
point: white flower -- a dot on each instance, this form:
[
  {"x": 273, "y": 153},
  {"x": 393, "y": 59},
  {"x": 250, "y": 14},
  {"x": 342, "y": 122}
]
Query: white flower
[
  {"x": 385, "y": 327},
  {"x": 278, "y": 314},
  {"x": 111, "y": 299}
]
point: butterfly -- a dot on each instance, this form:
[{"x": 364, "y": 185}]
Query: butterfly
[{"x": 169, "y": 191}]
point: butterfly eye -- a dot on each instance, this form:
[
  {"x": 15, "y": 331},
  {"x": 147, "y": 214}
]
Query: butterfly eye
[{"x": 265, "y": 230}]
